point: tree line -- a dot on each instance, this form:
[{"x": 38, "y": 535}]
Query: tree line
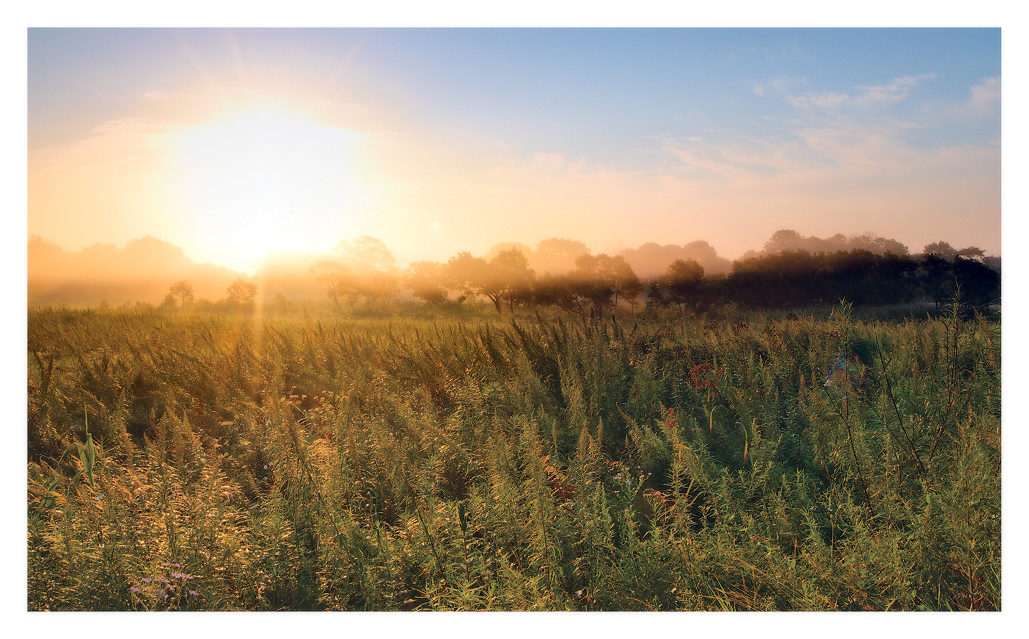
[{"x": 363, "y": 271}]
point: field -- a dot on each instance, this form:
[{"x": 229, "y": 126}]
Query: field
[{"x": 475, "y": 461}]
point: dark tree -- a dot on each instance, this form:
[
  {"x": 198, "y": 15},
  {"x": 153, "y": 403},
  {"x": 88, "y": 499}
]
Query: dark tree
[
  {"x": 971, "y": 253},
  {"x": 942, "y": 250},
  {"x": 604, "y": 280},
  {"x": 681, "y": 280}
]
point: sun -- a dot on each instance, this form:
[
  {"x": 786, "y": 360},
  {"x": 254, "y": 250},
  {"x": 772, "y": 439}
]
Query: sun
[{"x": 264, "y": 179}]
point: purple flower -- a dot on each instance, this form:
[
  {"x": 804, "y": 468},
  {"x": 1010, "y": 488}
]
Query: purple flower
[
  {"x": 134, "y": 589},
  {"x": 193, "y": 592},
  {"x": 146, "y": 580}
]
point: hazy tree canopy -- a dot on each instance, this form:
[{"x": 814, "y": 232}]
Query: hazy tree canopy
[
  {"x": 512, "y": 275},
  {"x": 292, "y": 275},
  {"x": 427, "y": 281},
  {"x": 704, "y": 253},
  {"x": 182, "y": 292},
  {"x": 604, "y": 280},
  {"x": 364, "y": 254},
  {"x": 499, "y": 279},
  {"x": 360, "y": 267},
  {"x": 463, "y": 272},
  {"x": 870, "y": 270},
  {"x": 337, "y": 280},
  {"x": 684, "y": 272},
  {"x": 790, "y": 240},
  {"x": 379, "y": 285},
  {"x": 556, "y": 255},
  {"x": 496, "y": 249},
  {"x": 941, "y": 249},
  {"x": 651, "y": 260},
  {"x": 511, "y": 265},
  {"x": 783, "y": 240},
  {"x": 142, "y": 270},
  {"x": 241, "y": 292}
]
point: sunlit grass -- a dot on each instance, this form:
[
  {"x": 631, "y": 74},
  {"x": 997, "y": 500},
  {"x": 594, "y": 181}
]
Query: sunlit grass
[{"x": 646, "y": 462}]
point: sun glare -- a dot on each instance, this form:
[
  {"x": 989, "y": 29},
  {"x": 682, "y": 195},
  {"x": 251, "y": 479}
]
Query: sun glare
[{"x": 263, "y": 180}]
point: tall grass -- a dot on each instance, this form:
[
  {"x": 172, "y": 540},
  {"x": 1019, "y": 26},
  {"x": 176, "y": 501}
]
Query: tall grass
[{"x": 649, "y": 462}]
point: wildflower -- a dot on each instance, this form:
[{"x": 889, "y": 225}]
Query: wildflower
[
  {"x": 146, "y": 580},
  {"x": 134, "y": 589},
  {"x": 193, "y": 593}
]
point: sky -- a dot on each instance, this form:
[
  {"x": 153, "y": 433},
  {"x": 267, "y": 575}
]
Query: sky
[{"x": 237, "y": 143}]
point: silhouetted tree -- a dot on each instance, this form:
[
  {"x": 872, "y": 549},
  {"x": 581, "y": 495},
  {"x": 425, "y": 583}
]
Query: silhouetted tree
[
  {"x": 941, "y": 249},
  {"x": 789, "y": 240},
  {"x": 498, "y": 280},
  {"x": 783, "y": 240},
  {"x": 979, "y": 284},
  {"x": 565, "y": 291},
  {"x": 604, "y": 280},
  {"x": 798, "y": 278},
  {"x": 971, "y": 253},
  {"x": 681, "y": 280},
  {"x": 511, "y": 273},
  {"x": 181, "y": 292}
]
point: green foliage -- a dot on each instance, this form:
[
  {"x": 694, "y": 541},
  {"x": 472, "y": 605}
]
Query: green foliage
[{"x": 486, "y": 462}]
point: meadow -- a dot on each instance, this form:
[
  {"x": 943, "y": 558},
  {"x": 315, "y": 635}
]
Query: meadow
[{"x": 528, "y": 461}]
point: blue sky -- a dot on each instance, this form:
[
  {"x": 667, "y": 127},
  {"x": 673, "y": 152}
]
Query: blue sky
[{"x": 823, "y": 130}]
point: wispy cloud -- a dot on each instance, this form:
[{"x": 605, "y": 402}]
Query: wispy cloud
[
  {"x": 894, "y": 91},
  {"x": 823, "y": 100},
  {"x": 983, "y": 96},
  {"x": 779, "y": 84}
]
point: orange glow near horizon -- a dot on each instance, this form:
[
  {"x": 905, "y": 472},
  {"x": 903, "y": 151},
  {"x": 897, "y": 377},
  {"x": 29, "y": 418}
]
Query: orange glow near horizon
[{"x": 263, "y": 179}]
